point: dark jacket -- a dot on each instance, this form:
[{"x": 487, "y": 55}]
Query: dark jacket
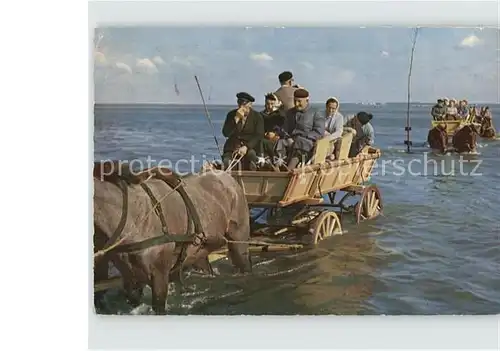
[
  {"x": 438, "y": 112},
  {"x": 272, "y": 120},
  {"x": 305, "y": 127},
  {"x": 250, "y": 134}
]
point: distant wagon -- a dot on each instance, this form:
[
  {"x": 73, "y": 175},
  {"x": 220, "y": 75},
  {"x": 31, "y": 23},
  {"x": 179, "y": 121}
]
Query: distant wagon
[{"x": 458, "y": 136}]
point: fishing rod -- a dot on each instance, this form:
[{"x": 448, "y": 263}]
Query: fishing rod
[
  {"x": 408, "y": 142},
  {"x": 208, "y": 115}
]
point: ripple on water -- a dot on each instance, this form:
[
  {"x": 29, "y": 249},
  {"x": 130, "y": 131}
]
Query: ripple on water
[{"x": 435, "y": 250}]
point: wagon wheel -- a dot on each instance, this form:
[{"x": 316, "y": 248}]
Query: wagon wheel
[
  {"x": 327, "y": 224},
  {"x": 370, "y": 205}
]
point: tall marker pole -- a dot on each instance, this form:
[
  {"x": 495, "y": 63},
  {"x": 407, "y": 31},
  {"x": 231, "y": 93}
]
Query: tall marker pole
[{"x": 408, "y": 142}]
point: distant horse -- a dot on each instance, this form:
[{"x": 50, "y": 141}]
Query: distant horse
[
  {"x": 487, "y": 130},
  {"x": 438, "y": 138},
  {"x": 164, "y": 223},
  {"x": 464, "y": 139}
]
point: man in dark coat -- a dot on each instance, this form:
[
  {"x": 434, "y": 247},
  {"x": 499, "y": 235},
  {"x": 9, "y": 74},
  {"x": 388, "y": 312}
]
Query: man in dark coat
[
  {"x": 438, "y": 111},
  {"x": 302, "y": 128},
  {"x": 365, "y": 134},
  {"x": 244, "y": 130}
]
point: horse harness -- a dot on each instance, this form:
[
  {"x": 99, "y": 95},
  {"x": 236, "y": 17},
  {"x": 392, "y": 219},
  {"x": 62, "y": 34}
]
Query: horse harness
[{"x": 196, "y": 238}]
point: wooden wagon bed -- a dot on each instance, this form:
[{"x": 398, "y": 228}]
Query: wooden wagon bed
[{"x": 303, "y": 189}]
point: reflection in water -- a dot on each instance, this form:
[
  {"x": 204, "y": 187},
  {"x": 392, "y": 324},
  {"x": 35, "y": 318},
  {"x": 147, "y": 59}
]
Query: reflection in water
[
  {"x": 340, "y": 277},
  {"x": 334, "y": 278}
]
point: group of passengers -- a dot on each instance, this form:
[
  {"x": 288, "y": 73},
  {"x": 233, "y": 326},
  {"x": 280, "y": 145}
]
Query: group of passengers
[
  {"x": 451, "y": 110},
  {"x": 288, "y": 128}
]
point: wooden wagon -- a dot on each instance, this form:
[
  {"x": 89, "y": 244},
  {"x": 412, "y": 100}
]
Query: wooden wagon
[
  {"x": 451, "y": 127},
  {"x": 300, "y": 195},
  {"x": 302, "y": 192}
]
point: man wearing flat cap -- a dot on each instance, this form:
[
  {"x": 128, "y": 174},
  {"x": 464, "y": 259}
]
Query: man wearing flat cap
[
  {"x": 303, "y": 126},
  {"x": 244, "y": 130},
  {"x": 365, "y": 134},
  {"x": 285, "y": 92},
  {"x": 438, "y": 111}
]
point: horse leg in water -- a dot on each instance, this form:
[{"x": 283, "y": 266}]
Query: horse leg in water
[
  {"x": 237, "y": 235},
  {"x": 133, "y": 289},
  {"x": 159, "y": 277},
  {"x": 100, "y": 272},
  {"x": 159, "y": 290}
]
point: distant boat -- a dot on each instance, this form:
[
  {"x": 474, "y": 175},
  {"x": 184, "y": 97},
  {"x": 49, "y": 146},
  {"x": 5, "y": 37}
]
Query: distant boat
[{"x": 369, "y": 103}]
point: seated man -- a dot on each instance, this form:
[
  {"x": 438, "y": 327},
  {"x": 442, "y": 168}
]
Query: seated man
[
  {"x": 302, "y": 127},
  {"x": 334, "y": 124},
  {"x": 438, "y": 111},
  {"x": 244, "y": 130},
  {"x": 463, "y": 109},
  {"x": 365, "y": 134},
  {"x": 273, "y": 122}
]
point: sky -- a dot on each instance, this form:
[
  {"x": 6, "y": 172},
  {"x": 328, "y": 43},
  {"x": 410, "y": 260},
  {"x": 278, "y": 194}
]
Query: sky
[{"x": 143, "y": 64}]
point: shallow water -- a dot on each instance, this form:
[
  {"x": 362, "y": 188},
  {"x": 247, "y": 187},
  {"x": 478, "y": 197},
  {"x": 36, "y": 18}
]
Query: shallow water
[{"x": 434, "y": 251}]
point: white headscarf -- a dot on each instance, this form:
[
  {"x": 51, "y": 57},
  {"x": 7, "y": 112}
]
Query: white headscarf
[
  {"x": 336, "y": 100},
  {"x": 277, "y": 102}
]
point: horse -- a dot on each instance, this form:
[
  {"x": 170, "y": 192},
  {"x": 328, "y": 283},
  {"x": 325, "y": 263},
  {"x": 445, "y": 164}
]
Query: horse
[
  {"x": 464, "y": 139},
  {"x": 487, "y": 130},
  {"x": 438, "y": 138},
  {"x": 143, "y": 224}
]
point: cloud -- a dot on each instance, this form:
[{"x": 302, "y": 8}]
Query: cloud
[
  {"x": 100, "y": 59},
  {"x": 146, "y": 65},
  {"x": 262, "y": 57},
  {"x": 184, "y": 61},
  {"x": 307, "y": 65},
  {"x": 470, "y": 41},
  {"x": 158, "y": 60},
  {"x": 342, "y": 56},
  {"x": 345, "y": 77},
  {"x": 123, "y": 67}
]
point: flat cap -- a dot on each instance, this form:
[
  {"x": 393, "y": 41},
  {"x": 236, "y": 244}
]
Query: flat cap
[
  {"x": 301, "y": 93},
  {"x": 284, "y": 76},
  {"x": 245, "y": 96},
  {"x": 440, "y": 100}
]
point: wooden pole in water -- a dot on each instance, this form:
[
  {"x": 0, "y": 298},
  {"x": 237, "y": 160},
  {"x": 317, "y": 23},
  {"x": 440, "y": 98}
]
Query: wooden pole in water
[
  {"x": 208, "y": 115},
  {"x": 408, "y": 126}
]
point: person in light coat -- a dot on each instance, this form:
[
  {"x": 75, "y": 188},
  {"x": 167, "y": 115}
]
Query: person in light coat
[{"x": 334, "y": 124}]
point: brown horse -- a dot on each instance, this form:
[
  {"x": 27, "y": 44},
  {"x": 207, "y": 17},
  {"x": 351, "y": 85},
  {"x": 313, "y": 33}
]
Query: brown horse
[
  {"x": 438, "y": 138},
  {"x": 487, "y": 130},
  {"x": 149, "y": 216},
  {"x": 464, "y": 139}
]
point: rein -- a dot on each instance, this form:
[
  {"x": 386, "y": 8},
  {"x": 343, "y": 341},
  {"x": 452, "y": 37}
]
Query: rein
[{"x": 196, "y": 238}]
